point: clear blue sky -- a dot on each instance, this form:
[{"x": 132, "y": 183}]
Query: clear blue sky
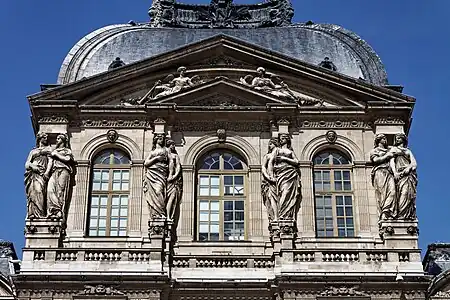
[{"x": 412, "y": 38}]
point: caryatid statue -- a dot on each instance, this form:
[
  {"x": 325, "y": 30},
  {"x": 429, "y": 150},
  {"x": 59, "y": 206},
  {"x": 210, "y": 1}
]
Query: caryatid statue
[
  {"x": 404, "y": 166},
  {"x": 383, "y": 179},
  {"x": 36, "y": 177},
  {"x": 269, "y": 182},
  {"x": 155, "y": 177},
  {"x": 60, "y": 171},
  {"x": 286, "y": 173},
  {"x": 174, "y": 184}
]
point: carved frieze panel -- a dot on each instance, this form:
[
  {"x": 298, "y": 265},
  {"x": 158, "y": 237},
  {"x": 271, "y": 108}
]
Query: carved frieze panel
[{"x": 237, "y": 126}]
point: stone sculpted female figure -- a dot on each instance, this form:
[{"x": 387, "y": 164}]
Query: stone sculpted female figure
[
  {"x": 155, "y": 178},
  {"x": 269, "y": 183},
  {"x": 174, "y": 184},
  {"x": 287, "y": 174},
  {"x": 35, "y": 182},
  {"x": 383, "y": 178},
  {"x": 59, "y": 174},
  {"x": 404, "y": 167}
]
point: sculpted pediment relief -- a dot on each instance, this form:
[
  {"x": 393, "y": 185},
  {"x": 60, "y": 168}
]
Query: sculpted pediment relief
[{"x": 258, "y": 90}]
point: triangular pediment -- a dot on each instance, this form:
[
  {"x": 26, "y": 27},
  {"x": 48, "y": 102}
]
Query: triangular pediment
[{"x": 232, "y": 61}]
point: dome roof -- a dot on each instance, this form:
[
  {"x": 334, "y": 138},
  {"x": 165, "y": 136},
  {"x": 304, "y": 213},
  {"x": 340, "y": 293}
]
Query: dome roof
[{"x": 310, "y": 43}]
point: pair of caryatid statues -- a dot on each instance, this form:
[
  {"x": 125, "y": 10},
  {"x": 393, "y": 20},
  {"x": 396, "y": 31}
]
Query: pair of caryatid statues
[
  {"x": 48, "y": 176},
  {"x": 281, "y": 184},
  {"x": 163, "y": 181},
  {"x": 394, "y": 178}
]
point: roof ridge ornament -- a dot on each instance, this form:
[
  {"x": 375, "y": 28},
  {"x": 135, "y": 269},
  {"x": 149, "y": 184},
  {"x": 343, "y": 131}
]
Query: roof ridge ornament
[{"x": 221, "y": 14}]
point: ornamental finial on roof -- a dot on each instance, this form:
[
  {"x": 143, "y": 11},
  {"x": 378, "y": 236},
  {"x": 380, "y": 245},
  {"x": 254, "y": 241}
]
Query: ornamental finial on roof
[{"x": 221, "y": 14}]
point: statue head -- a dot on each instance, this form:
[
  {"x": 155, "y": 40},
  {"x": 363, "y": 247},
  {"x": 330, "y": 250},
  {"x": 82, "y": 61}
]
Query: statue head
[
  {"x": 284, "y": 139},
  {"x": 380, "y": 138},
  {"x": 273, "y": 143},
  {"x": 62, "y": 140},
  {"x": 261, "y": 71},
  {"x": 171, "y": 145},
  {"x": 159, "y": 139},
  {"x": 41, "y": 139},
  {"x": 181, "y": 71},
  {"x": 400, "y": 139},
  {"x": 331, "y": 136}
]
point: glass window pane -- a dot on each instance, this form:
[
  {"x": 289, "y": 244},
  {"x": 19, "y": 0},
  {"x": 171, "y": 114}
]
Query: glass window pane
[
  {"x": 329, "y": 223},
  {"x": 328, "y": 212},
  {"x": 102, "y": 223},
  {"x": 215, "y": 180},
  {"x": 330, "y": 232},
  {"x": 93, "y": 223},
  {"x": 122, "y": 233},
  {"x": 228, "y": 216},
  {"x": 339, "y": 200},
  {"x": 238, "y": 190},
  {"x": 340, "y": 211},
  {"x": 94, "y": 201},
  {"x": 123, "y": 223},
  {"x": 124, "y": 200},
  {"x": 104, "y": 186},
  {"x": 340, "y": 222},
  {"x": 321, "y": 224},
  {"x": 97, "y": 175},
  {"x": 214, "y": 217},
  {"x": 102, "y": 232},
  {"x": 239, "y": 180},
  {"x": 228, "y": 205},
  {"x": 327, "y": 200},
  {"x": 320, "y": 233},
  {"x": 349, "y": 211},
  {"x": 124, "y": 212},
  {"x": 204, "y": 227},
  {"x": 117, "y": 175},
  {"x": 337, "y": 175},
  {"x": 94, "y": 212},
  {"x": 115, "y": 212},
  {"x": 114, "y": 223},
  {"x": 96, "y": 186},
  {"x": 318, "y": 186},
  {"x": 347, "y": 186},
  {"x": 125, "y": 186},
  {"x": 341, "y": 232},
  {"x": 204, "y": 191},
  {"x": 348, "y": 200},
  {"x": 326, "y": 175},
  {"x": 204, "y": 216},
  {"x": 228, "y": 190},
  {"x": 204, "y": 205},
  {"x": 239, "y": 205},
  {"x": 125, "y": 175},
  {"x": 338, "y": 186},
  {"x": 346, "y": 175},
  {"x": 326, "y": 186},
  {"x": 203, "y": 236},
  {"x": 103, "y": 212},
  {"x": 215, "y": 191},
  {"x": 204, "y": 180},
  {"x": 350, "y": 233},
  {"x": 105, "y": 175},
  {"x": 317, "y": 175},
  {"x": 320, "y": 201},
  {"x": 239, "y": 216},
  {"x": 215, "y": 205},
  {"x": 115, "y": 200},
  {"x": 214, "y": 228},
  {"x": 320, "y": 213},
  {"x": 349, "y": 222},
  {"x": 228, "y": 180},
  {"x": 214, "y": 237},
  {"x": 116, "y": 186}
]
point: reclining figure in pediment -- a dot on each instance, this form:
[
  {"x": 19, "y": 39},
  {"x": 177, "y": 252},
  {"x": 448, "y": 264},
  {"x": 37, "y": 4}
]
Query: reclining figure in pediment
[
  {"x": 275, "y": 86},
  {"x": 167, "y": 86}
]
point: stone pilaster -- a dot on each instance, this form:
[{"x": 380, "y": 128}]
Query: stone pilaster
[
  {"x": 76, "y": 219},
  {"x": 306, "y": 221},
  {"x": 185, "y": 230},
  {"x": 255, "y": 230},
  {"x": 361, "y": 201},
  {"x": 136, "y": 199}
]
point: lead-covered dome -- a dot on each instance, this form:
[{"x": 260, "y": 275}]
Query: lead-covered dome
[{"x": 266, "y": 25}]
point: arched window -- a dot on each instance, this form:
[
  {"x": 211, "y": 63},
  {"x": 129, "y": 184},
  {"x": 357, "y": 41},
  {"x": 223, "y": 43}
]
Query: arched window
[
  {"x": 333, "y": 195},
  {"x": 221, "y": 195},
  {"x": 110, "y": 189}
]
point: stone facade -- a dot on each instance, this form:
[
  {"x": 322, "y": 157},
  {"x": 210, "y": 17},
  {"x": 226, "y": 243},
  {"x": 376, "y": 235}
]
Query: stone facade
[{"x": 228, "y": 104}]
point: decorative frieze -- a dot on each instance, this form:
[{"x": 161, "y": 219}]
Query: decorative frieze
[
  {"x": 53, "y": 119},
  {"x": 224, "y": 262},
  {"x": 337, "y": 124},
  {"x": 237, "y": 126},
  {"x": 100, "y": 290},
  {"x": 114, "y": 123}
]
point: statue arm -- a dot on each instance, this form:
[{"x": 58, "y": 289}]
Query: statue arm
[
  {"x": 177, "y": 164},
  {"x": 150, "y": 160},
  {"x": 377, "y": 159},
  {"x": 49, "y": 167},
  {"x": 264, "y": 169},
  {"x": 28, "y": 163},
  {"x": 63, "y": 157},
  {"x": 292, "y": 161}
]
